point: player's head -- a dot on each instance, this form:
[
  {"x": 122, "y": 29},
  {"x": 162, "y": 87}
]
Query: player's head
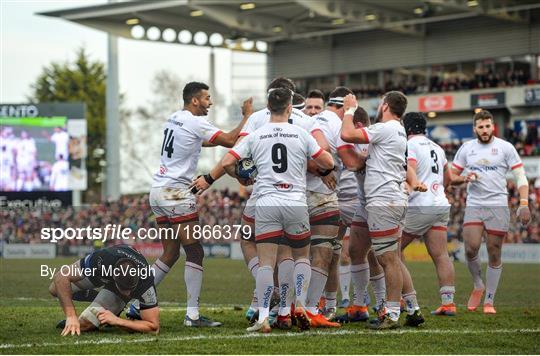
[
  {"x": 280, "y": 101},
  {"x": 483, "y": 126},
  {"x": 361, "y": 117},
  {"x": 281, "y": 82},
  {"x": 126, "y": 276},
  {"x": 314, "y": 102},
  {"x": 414, "y": 123},
  {"x": 196, "y": 98},
  {"x": 298, "y": 101},
  {"x": 335, "y": 101},
  {"x": 393, "y": 105}
]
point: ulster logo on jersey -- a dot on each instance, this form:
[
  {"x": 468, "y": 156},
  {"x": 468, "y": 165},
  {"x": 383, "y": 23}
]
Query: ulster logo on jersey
[
  {"x": 283, "y": 187},
  {"x": 494, "y": 151}
]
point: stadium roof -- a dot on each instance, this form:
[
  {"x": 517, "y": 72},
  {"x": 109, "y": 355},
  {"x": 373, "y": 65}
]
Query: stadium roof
[{"x": 235, "y": 22}]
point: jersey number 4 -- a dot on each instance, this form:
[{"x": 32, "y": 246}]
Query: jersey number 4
[
  {"x": 435, "y": 167},
  {"x": 168, "y": 143},
  {"x": 279, "y": 157}
]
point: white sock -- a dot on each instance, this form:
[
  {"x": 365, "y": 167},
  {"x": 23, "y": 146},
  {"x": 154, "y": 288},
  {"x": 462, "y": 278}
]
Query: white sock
[
  {"x": 345, "y": 281},
  {"x": 316, "y": 287},
  {"x": 360, "y": 280},
  {"x": 447, "y": 294},
  {"x": 253, "y": 266},
  {"x": 265, "y": 288},
  {"x": 193, "y": 274},
  {"x": 160, "y": 271},
  {"x": 411, "y": 302},
  {"x": 476, "y": 272},
  {"x": 331, "y": 301},
  {"x": 302, "y": 276},
  {"x": 393, "y": 309},
  {"x": 254, "y": 301},
  {"x": 379, "y": 289},
  {"x": 493, "y": 274},
  {"x": 286, "y": 289}
]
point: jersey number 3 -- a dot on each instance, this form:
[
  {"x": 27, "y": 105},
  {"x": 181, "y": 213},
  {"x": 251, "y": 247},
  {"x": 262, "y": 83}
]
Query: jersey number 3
[
  {"x": 279, "y": 157},
  {"x": 435, "y": 167},
  {"x": 168, "y": 142}
]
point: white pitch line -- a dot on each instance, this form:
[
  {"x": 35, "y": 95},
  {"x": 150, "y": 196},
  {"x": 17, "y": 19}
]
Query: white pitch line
[{"x": 107, "y": 341}]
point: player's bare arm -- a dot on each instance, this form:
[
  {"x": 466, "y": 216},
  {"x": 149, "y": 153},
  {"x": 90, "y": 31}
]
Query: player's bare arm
[
  {"x": 349, "y": 133},
  {"x": 149, "y": 322},
  {"x": 228, "y": 139},
  {"x": 61, "y": 288},
  {"x": 202, "y": 183},
  {"x": 412, "y": 178},
  {"x": 523, "y": 212},
  {"x": 352, "y": 159}
]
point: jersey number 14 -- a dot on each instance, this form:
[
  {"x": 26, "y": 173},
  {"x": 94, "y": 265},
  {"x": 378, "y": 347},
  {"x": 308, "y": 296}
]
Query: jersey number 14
[{"x": 168, "y": 142}]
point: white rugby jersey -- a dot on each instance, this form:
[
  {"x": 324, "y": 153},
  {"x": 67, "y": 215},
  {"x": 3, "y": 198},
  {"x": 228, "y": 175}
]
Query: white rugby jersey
[
  {"x": 430, "y": 162},
  {"x": 347, "y": 188},
  {"x": 385, "y": 164},
  {"x": 330, "y": 124},
  {"x": 361, "y": 174},
  {"x": 183, "y": 135},
  {"x": 26, "y": 150},
  {"x": 280, "y": 151},
  {"x": 60, "y": 175},
  {"x": 262, "y": 117},
  {"x": 61, "y": 140},
  {"x": 491, "y": 162}
]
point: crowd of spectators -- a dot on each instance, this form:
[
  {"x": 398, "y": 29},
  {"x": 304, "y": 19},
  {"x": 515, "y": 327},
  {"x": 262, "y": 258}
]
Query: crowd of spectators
[
  {"x": 440, "y": 83},
  {"x": 215, "y": 208}
]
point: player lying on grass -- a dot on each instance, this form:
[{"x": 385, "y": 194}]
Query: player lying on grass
[{"x": 108, "y": 278}]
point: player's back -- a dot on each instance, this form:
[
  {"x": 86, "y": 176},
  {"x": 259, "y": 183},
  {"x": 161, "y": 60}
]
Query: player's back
[
  {"x": 385, "y": 164},
  {"x": 430, "y": 163},
  {"x": 280, "y": 151},
  {"x": 260, "y": 118},
  {"x": 183, "y": 135}
]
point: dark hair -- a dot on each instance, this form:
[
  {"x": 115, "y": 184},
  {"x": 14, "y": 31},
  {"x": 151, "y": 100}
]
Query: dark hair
[
  {"x": 316, "y": 94},
  {"x": 298, "y": 99},
  {"x": 191, "y": 90},
  {"x": 361, "y": 116},
  {"x": 482, "y": 115},
  {"x": 414, "y": 123},
  {"x": 278, "y": 100},
  {"x": 397, "y": 102},
  {"x": 129, "y": 280},
  {"x": 282, "y": 82},
  {"x": 339, "y": 92}
]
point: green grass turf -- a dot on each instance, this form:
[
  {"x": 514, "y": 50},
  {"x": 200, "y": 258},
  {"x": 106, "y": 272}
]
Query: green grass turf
[{"x": 29, "y": 316}]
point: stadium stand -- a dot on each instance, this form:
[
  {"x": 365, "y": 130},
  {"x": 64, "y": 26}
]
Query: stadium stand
[{"x": 216, "y": 208}]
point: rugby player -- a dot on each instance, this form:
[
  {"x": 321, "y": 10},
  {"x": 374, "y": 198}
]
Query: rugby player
[
  {"x": 171, "y": 197},
  {"x": 314, "y": 103},
  {"x": 108, "y": 278},
  {"x": 299, "y": 102},
  {"x": 490, "y": 159},
  {"x": 386, "y": 198},
  {"x": 280, "y": 151},
  {"x": 363, "y": 266},
  {"x": 249, "y": 250},
  {"x": 428, "y": 213},
  {"x": 323, "y": 205}
]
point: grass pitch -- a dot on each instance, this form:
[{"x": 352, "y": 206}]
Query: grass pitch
[{"x": 29, "y": 316}]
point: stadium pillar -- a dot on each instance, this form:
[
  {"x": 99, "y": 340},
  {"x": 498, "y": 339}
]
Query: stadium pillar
[
  {"x": 212, "y": 85},
  {"x": 112, "y": 178}
]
